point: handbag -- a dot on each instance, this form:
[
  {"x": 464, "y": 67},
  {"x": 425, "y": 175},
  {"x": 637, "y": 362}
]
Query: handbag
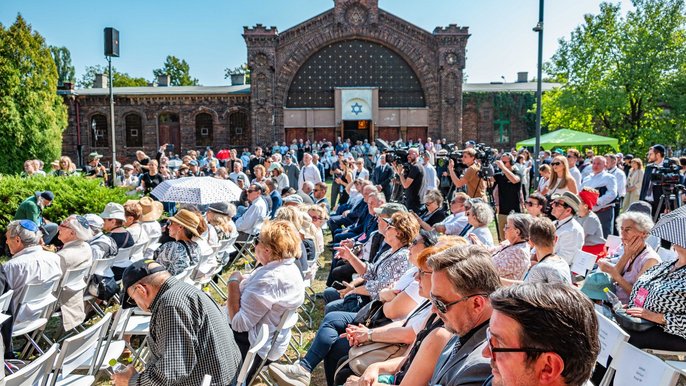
[
  {"x": 371, "y": 315},
  {"x": 632, "y": 323},
  {"x": 361, "y": 357},
  {"x": 102, "y": 287}
]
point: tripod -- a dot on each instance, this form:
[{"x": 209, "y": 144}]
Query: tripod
[
  {"x": 665, "y": 202},
  {"x": 491, "y": 202}
]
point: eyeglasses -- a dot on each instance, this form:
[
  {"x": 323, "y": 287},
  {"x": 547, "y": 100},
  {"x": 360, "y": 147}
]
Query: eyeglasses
[
  {"x": 417, "y": 241},
  {"x": 387, "y": 221},
  {"x": 421, "y": 273},
  {"x": 494, "y": 350},
  {"x": 252, "y": 190},
  {"x": 556, "y": 163},
  {"x": 315, "y": 218},
  {"x": 443, "y": 308},
  {"x": 571, "y": 156},
  {"x": 559, "y": 203}
]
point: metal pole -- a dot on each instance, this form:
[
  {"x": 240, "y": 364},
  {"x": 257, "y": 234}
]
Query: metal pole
[
  {"x": 539, "y": 92},
  {"x": 114, "y": 136}
]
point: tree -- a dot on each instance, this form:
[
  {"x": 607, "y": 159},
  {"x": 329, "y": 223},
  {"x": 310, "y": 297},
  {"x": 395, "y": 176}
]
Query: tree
[
  {"x": 32, "y": 115},
  {"x": 65, "y": 70},
  {"x": 178, "y": 71},
  {"x": 619, "y": 74},
  {"x": 119, "y": 79}
]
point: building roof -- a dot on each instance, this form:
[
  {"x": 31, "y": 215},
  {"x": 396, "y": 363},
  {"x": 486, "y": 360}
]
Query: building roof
[{"x": 245, "y": 89}]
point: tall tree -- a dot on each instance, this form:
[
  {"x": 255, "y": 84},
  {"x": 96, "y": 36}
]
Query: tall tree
[
  {"x": 32, "y": 115},
  {"x": 178, "y": 71},
  {"x": 65, "y": 70},
  {"x": 618, "y": 73},
  {"x": 119, "y": 79}
]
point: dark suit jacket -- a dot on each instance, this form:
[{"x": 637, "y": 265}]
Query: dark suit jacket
[
  {"x": 382, "y": 176},
  {"x": 467, "y": 366}
]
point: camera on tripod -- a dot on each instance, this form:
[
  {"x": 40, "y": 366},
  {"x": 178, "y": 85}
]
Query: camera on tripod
[
  {"x": 396, "y": 153},
  {"x": 668, "y": 175}
]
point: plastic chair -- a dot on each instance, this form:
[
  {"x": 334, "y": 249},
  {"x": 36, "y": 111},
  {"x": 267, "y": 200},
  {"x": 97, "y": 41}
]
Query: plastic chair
[
  {"x": 611, "y": 342},
  {"x": 288, "y": 321},
  {"x": 35, "y": 373},
  {"x": 262, "y": 337},
  {"x": 137, "y": 251},
  {"x": 121, "y": 260},
  {"x": 35, "y": 305},
  {"x": 634, "y": 367},
  {"x": 5, "y": 301}
]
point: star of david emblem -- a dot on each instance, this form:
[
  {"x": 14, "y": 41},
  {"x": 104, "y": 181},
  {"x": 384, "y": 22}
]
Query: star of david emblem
[{"x": 356, "y": 108}]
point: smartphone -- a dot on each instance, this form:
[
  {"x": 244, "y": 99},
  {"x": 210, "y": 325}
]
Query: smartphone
[{"x": 338, "y": 285}]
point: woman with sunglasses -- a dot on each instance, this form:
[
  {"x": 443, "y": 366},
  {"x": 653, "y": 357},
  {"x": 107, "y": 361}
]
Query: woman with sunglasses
[
  {"x": 512, "y": 257},
  {"x": 560, "y": 179},
  {"x": 433, "y": 212},
  {"x": 479, "y": 216},
  {"x": 535, "y": 204},
  {"x": 319, "y": 216}
]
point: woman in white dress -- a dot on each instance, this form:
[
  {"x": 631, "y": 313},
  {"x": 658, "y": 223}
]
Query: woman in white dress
[{"x": 560, "y": 179}]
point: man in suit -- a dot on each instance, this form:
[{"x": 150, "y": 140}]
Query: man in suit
[
  {"x": 463, "y": 278},
  {"x": 650, "y": 191},
  {"x": 319, "y": 195},
  {"x": 382, "y": 176},
  {"x": 524, "y": 340}
]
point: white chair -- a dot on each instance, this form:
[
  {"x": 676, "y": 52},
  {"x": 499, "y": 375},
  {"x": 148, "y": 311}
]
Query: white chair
[
  {"x": 35, "y": 373},
  {"x": 262, "y": 337},
  {"x": 288, "y": 321},
  {"x": 34, "y": 307},
  {"x": 121, "y": 260},
  {"x": 107, "y": 347},
  {"x": 129, "y": 324},
  {"x": 137, "y": 251},
  {"x": 634, "y": 367},
  {"x": 611, "y": 339},
  {"x": 5, "y": 301},
  {"x": 206, "y": 380},
  {"x": 77, "y": 350}
]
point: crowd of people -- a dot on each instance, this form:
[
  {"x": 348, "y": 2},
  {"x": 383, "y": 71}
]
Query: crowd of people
[{"x": 416, "y": 271}]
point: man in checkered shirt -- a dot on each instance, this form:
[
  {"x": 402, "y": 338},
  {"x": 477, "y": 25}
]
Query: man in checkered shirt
[{"x": 189, "y": 335}]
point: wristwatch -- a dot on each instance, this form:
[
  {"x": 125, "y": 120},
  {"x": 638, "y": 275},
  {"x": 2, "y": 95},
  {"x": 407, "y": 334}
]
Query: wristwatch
[{"x": 369, "y": 335}]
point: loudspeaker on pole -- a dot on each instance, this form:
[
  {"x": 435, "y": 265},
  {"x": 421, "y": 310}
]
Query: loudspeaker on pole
[{"x": 111, "y": 42}]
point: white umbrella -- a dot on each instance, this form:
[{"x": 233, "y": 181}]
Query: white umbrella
[
  {"x": 672, "y": 227},
  {"x": 197, "y": 190}
]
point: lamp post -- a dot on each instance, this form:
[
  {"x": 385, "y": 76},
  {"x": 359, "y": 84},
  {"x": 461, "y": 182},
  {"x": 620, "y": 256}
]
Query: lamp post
[
  {"x": 539, "y": 93},
  {"x": 112, "y": 49}
]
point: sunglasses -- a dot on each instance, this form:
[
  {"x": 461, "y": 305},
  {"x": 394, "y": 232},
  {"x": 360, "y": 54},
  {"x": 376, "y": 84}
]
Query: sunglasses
[
  {"x": 252, "y": 190},
  {"x": 443, "y": 308},
  {"x": 417, "y": 241},
  {"x": 558, "y": 203},
  {"x": 495, "y": 350},
  {"x": 531, "y": 203},
  {"x": 556, "y": 163}
]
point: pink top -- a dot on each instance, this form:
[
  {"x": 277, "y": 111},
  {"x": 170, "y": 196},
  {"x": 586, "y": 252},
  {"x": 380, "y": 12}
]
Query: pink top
[
  {"x": 511, "y": 261},
  {"x": 634, "y": 268}
]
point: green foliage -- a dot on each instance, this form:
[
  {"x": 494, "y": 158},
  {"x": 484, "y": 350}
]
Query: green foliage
[
  {"x": 74, "y": 194},
  {"x": 622, "y": 74},
  {"x": 242, "y": 69},
  {"x": 178, "y": 71},
  {"x": 32, "y": 115},
  {"x": 119, "y": 79},
  {"x": 65, "y": 70},
  {"x": 509, "y": 105}
]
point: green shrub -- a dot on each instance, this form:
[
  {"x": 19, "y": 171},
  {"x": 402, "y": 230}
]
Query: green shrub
[{"x": 73, "y": 195}]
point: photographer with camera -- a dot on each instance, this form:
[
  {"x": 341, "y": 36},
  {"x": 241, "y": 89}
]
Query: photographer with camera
[
  {"x": 470, "y": 178},
  {"x": 412, "y": 183},
  {"x": 508, "y": 183},
  {"x": 651, "y": 190}
]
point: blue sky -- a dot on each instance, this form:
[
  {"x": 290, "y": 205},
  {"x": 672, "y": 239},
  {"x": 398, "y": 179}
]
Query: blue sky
[{"x": 207, "y": 33}]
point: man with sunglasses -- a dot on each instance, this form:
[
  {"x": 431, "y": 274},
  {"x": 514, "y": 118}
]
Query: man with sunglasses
[
  {"x": 251, "y": 220},
  {"x": 544, "y": 355},
  {"x": 463, "y": 278},
  {"x": 573, "y": 156},
  {"x": 569, "y": 233},
  {"x": 606, "y": 184}
]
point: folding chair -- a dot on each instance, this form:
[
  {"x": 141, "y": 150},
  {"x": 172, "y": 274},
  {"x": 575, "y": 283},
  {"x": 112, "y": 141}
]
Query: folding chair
[
  {"x": 612, "y": 338},
  {"x": 34, "y": 307},
  {"x": 262, "y": 337},
  {"x": 288, "y": 321},
  {"x": 137, "y": 251},
  {"x": 101, "y": 267},
  {"x": 77, "y": 350},
  {"x": 5, "y": 301},
  {"x": 121, "y": 260},
  {"x": 107, "y": 347},
  {"x": 245, "y": 250},
  {"x": 634, "y": 367},
  {"x": 129, "y": 324},
  {"x": 35, "y": 373}
]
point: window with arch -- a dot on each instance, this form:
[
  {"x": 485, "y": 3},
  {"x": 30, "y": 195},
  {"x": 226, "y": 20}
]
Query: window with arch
[
  {"x": 134, "y": 130},
  {"x": 203, "y": 129},
  {"x": 238, "y": 122},
  {"x": 98, "y": 130}
]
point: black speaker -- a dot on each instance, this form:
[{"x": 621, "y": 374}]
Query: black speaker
[{"x": 111, "y": 42}]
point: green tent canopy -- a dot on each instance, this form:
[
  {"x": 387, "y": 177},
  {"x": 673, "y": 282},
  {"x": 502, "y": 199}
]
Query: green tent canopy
[{"x": 569, "y": 138}]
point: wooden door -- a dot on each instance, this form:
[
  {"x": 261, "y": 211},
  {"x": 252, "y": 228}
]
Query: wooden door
[
  {"x": 414, "y": 133},
  {"x": 389, "y": 134},
  {"x": 295, "y": 133},
  {"x": 170, "y": 130}
]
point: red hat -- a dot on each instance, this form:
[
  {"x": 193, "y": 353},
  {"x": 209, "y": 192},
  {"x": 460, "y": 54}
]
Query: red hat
[{"x": 589, "y": 196}]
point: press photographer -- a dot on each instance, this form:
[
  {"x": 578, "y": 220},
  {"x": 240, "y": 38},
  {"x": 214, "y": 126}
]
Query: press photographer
[
  {"x": 412, "y": 181},
  {"x": 475, "y": 185},
  {"x": 508, "y": 183}
]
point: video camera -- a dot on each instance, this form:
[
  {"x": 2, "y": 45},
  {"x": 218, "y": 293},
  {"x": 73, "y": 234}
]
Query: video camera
[
  {"x": 394, "y": 153},
  {"x": 667, "y": 175},
  {"x": 484, "y": 154}
]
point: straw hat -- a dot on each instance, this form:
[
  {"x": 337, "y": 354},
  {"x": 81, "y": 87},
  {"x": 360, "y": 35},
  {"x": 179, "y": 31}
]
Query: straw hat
[
  {"x": 188, "y": 220},
  {"x": 152, "y": 210}
]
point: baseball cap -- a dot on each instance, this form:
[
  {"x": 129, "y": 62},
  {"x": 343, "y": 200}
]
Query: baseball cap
[
  {"x": 47, "y": 195},
  {"x": 390, "y": 208},
  {"x": 133, "y": 274}
]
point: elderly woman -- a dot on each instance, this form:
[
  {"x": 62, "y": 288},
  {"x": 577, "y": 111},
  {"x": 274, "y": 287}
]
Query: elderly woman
[
  {"x": 638, "y": 256},
  {"x": 479, "y": 216},
  {"x": 260, "y": 175},
  {"x": 658, "y": 296},
  {"x": 102, "y": 245},
  {"x": 296, "y": 217},
  {"x": 266, "y": 294},
  {"x": 398, "y": 232},
  {"x": 434, "y": 213},
  {"x": 181, "y": 253},
  {"x": 74, "y": 233},
  {"x": 594, "y": 242},
  {"x": 512, "y": 257},
  {"x": 278, "y": 176}
]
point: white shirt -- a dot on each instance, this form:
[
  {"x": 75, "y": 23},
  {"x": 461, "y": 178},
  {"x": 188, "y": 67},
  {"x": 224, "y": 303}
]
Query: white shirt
[
  {"x": 430, "y": 181},
  {"x": 602, "y": 179},
  {"x": 266, "y": 294},
  {"x": 621, "y": 180},
  {"x": 309, "y": 173},
  {"x": 152, "y": 228},
  {"x": 363, "y": 174},
  {"x": 31, "y": 265},
  {"x": 235, "y": 176},
  {"x": 251, "y": 221},
  {"x": 455, "y": 223},
  {"x": 570, "y": 238},
  {"x": 483, "y": 233},
  {"x": 576, "y": 174}
]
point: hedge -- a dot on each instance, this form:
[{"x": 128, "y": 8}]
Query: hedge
[{"x": 73, "y": 195}]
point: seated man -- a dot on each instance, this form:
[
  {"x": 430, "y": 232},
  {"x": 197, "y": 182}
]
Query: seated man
[
  {"x": 366, "y": 223},
  {"x": 32, "y": 209},
  {"x": 457, "y": 221},
  {"x": 570, "y": 235},
  {"x": 251, "y": 221},
  {"x": 546, "y": 357},
  {"x": 358, "y": 213}
]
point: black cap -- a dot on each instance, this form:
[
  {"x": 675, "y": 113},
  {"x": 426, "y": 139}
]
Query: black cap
[
  {"x": 133, "y": 274},
  {"x": 47, "y": 195}
]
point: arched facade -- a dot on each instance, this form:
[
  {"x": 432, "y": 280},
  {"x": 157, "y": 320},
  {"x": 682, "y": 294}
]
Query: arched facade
[{"x": 275, "y": 59}]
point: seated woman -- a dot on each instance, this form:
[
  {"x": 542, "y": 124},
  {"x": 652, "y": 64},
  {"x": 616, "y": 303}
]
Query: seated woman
[
  {"x": 319, "y": 216},
  {"x": 219, "y": 215},
  {"x": 295, "y": 216},
  {"x": 638, "y": 256},
  {"x": 535, "y": 204},
  {"x": 479, "y": 216},
  {"x": 434, "y": 213},
  {"x": 594, "y": 242},
  {"x": 658, "y": 296},
  {"x": 181, "y": 253},
  {"x": 133, "y": 212},
  {"x": 512, "y": 257},
  {"x": 266, "y": 294},
  {"x": 405, "y": 370},
  {"x": 398, "y": 232},
  {"x": 336, "y": 333}
]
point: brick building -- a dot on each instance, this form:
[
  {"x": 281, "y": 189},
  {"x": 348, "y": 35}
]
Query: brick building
[{"x": 354, "y": 71}]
